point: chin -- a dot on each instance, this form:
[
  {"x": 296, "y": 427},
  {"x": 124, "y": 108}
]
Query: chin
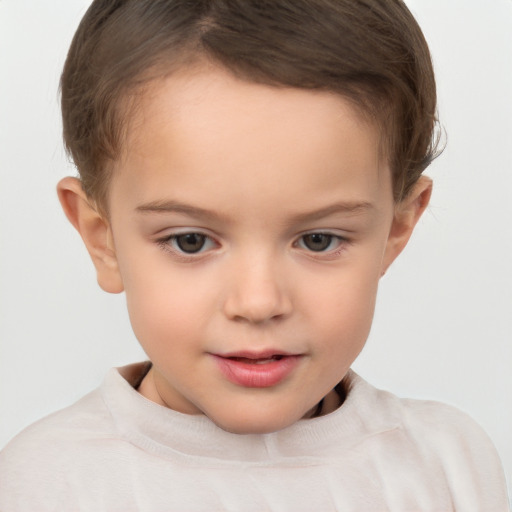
[{"x": 252, "y": 424}]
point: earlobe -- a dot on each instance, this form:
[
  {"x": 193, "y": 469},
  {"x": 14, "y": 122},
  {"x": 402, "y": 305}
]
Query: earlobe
[
  {"x": 407, "y": 213},
  {"x": 95, "y": 232}
]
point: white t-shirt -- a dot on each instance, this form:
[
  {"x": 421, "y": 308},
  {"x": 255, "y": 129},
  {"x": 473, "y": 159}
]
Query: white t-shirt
[{"x": 114, "y": 450}]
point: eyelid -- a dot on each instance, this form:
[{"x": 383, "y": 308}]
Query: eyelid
[
  {"x": 343, "y": 242},
  {"x": 324, "y": 233},
  {"x": 164, "y": 242},
  {"x": 328, "y": 232}
]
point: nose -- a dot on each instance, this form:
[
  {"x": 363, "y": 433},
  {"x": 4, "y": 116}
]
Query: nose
[{"x": 257, "y": 291}]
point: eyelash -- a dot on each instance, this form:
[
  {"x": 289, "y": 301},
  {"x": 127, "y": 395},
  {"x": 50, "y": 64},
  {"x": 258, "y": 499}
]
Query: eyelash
[
  {"x": 333, "y": 251},
  {"x": 170, "y": 244}
]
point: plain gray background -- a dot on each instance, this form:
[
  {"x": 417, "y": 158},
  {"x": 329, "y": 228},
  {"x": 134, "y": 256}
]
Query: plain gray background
[{"x": 443, "y": 327}]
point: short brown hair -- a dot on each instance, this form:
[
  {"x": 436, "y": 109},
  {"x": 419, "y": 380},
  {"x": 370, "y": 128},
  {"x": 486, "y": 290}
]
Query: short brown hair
[{"x": 369, "y": 51}]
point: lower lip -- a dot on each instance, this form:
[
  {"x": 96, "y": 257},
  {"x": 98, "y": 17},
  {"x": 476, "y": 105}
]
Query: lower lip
[{"x": 253, "y": 375}]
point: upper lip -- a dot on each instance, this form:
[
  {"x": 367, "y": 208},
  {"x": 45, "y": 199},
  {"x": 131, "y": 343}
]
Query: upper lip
[{"x": 253, "y": 354}]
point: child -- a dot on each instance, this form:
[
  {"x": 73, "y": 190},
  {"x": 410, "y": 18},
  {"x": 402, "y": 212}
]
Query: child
[{"x": 248, "y": 171}]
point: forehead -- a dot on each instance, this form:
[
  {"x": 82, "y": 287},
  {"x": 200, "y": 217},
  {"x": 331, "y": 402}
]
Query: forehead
[{"x": 204, "y": 129}]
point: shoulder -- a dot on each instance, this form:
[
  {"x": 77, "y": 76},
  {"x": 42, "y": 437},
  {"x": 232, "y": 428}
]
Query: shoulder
[
  {"x": 438, "y": 439},
  {"x": 430, "y": 421},
  {"x": 462, "y": 449},
  {"x": 38, "y": 460},
  {"x": 86, "y": 418},
  {"x": 77, "y": 429},
  {"x": 445, "y": 428}
]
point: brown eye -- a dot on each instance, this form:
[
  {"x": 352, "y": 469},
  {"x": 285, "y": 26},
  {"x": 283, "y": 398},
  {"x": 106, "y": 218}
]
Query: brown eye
[
  {"x": 190, "y": 242},
  {"x": 317, "y": 242}
]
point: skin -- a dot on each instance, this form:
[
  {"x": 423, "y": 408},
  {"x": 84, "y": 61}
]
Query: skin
[{"x": 254, "y": 169}]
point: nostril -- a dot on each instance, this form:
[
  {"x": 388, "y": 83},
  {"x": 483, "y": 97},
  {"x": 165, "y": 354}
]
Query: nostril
[{"x": 258, "y": 318}]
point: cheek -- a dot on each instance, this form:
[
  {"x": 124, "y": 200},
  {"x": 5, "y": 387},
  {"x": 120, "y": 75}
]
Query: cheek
[
  {"x": 345, "y": 313},
  {"x": 164, "y": 304}
]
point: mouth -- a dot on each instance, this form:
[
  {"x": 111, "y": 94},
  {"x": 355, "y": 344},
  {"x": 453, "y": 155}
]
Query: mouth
[
  {"x": 257, "y": 369},
  {"x": 258, "y": 360}
]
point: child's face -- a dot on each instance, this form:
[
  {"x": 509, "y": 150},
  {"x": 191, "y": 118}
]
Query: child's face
[{"x": 250, "y": 226}]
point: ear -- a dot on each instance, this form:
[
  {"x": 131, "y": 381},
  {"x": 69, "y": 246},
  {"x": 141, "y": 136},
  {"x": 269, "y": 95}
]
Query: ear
[
  {"x": 407, "y": 214},
  {"x": 95, "y": 232}
]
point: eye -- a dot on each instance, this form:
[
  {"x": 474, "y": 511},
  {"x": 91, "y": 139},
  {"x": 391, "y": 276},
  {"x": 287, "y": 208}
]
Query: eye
[
  {"x": 187, "y": 243},
  {"x": 190, "y": 242},
  {"x": 319, "y": 242}
]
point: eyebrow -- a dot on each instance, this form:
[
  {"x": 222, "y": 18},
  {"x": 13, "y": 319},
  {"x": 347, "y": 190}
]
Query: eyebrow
[
  {"x": 177, "y": 207},
  {"x": 350, "y": 208}
]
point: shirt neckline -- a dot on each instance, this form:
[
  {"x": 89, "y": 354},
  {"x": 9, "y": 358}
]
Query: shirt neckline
[{"x": 168, "y": 433}]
